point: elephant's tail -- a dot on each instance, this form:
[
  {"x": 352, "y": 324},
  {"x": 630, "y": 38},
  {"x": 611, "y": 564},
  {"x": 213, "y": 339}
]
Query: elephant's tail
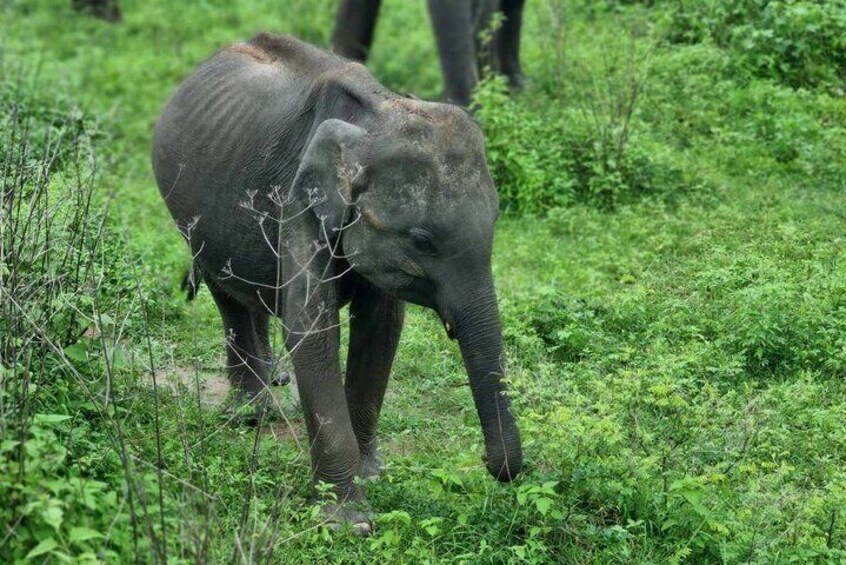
[{"x": 190, "y": 284}]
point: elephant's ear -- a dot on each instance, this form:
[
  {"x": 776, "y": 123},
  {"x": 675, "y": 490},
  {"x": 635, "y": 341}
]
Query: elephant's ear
[{"x": 329, "y": 175}]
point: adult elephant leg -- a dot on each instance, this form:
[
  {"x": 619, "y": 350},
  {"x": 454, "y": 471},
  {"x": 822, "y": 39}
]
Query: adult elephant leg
[
  {"x": 375, "y": 327},
  {"x": 487, "y": 56},
  {"x": 104, "y": 9},
  {"x": 452, "y": 21},
  {"x": 259, "y": 322},
  {"x": 355, "y": 21},
  {"x": 312, "y": 336},
  {"x": 508, "y": 43},
  {"x": 245, "y": 355}
]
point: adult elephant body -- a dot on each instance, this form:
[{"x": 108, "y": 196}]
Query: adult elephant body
[
  {"x": 458, "y": 27},
  {"x": 302, "y": 185}
]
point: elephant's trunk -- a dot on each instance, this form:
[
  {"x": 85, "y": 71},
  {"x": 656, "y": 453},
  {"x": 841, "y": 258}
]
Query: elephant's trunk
[{"x": 477, "y": 328}]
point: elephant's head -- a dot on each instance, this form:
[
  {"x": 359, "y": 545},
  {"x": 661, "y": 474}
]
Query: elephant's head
[{"x": 414, "y": 206}]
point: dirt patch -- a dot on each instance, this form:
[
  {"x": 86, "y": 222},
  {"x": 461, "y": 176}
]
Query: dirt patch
[
  {"x": 213, "y": 388},
  {"x": 290, "y": 430}
]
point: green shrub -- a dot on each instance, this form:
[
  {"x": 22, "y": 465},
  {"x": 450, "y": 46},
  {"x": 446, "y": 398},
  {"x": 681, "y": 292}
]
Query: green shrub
[
  {"x": 801, "y": 43},
  {"x": 778, "y": 328},
  {"x": 56, "y": 249},
  {"x": 559, "y": 156},
  {"x": 52, "y": 508},
  {"x": 60, "y": 269}
]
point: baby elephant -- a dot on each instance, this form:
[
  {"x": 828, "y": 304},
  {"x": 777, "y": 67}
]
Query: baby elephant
[{"x": 303, "y": 185}]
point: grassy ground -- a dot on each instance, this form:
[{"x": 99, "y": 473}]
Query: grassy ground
[{"x": 670, "y": 267}]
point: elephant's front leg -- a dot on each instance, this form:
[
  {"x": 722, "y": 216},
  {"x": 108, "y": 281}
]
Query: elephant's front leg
[
  {"x": 375, "y": 327},
  {"x": 313, "y": 339},
  {"x": 508, "y": 43}
]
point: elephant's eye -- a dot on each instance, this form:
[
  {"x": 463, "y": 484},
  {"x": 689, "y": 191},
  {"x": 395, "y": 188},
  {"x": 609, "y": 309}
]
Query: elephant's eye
[{"x": 422, "y": 241}]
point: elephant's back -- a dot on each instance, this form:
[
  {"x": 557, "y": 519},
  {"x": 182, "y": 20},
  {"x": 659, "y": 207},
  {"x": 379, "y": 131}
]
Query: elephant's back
[{"x": 235, "y": 123}]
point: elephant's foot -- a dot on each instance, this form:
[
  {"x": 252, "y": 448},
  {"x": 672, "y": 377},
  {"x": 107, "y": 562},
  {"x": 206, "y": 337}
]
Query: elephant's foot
[
  {"x": 281, "y": 371},
  {"x": 281, "y": 379},
  {"x": 515, "y": 82},
  {"x": 371, "y": 464},
  {"x": 350, "y": 515}
]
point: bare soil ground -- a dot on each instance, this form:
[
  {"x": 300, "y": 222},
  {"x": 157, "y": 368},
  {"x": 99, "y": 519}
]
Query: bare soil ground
[{"x": 284, "y": 417}]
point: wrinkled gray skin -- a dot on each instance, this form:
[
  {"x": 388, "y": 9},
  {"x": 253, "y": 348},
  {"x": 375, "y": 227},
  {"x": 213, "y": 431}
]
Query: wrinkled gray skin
[
  {"x": 386, "y": 200},
  {"x": 457, "y": 24}
]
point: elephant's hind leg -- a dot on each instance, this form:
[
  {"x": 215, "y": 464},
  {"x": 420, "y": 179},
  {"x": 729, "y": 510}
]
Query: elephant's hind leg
[
  {"x": 247, "y": 347},
  {"x": 453, "y": 25},
  {"x": 276, "y": 374},
  {"x": 354, "y": 25},
  {"x": 375, "y": 327}
]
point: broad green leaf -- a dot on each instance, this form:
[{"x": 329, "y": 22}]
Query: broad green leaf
[
  {"x": 80, "y": 534},
  {"x": 77, "y": 352},
  {"x": 8, "y": 444},
  {"x": 543, "y": 504},
  {"x": 51, "y": 418},
  {"x": 45, "y": 546},
  {"x": 53, "y": 516},
  {"x": 432, "y": 529}
]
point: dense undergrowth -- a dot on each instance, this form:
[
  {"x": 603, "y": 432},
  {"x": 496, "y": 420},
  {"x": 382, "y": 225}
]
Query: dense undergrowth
[{"x": 670, "y": 267}]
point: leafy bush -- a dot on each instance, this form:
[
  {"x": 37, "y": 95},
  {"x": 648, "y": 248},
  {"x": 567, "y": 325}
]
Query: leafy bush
[
  {"x": 616, "y": 423},
  {"x": 799, "y": 42},
  {"x": 54, "y": 255},
  {"x": 778, "y": 327},
  {"x": 50, "y": 507},
  {"x": 546, "y": 158},
  {"x": 59, "y": 270}
]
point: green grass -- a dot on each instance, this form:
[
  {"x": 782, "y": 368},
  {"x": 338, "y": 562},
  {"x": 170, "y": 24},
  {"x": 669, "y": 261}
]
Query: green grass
[{"x": 672, "y": 280}]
